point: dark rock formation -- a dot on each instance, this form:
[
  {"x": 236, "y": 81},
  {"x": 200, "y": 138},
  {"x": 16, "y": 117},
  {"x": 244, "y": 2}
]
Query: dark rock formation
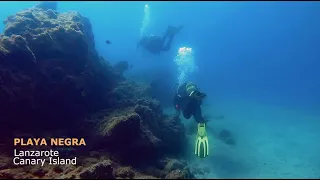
[
  {"x": 5, "y": 162},
  {"x": 50, "y": 70},
  {"x": 138, "y": 127},
  {"x": 121, "y": 66},
  {"x": 170, "y": 169},
  {"x": 124, "y": 172},
  {"x": 162, "y": 88},
  {"x": 179, "y": 174},
  {"x": 101, "y": 170},
  {"x": 127, "y": 92}
]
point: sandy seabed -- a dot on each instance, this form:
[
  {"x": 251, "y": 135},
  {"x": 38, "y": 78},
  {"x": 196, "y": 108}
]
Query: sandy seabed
[{"x": 272, "y": 141}]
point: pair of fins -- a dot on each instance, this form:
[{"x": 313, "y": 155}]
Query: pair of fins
[{"x": 201, "y": 148}]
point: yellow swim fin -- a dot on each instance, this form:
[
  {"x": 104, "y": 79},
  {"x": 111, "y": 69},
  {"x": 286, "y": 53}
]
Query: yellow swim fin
[{"x": 202, "y": 143}]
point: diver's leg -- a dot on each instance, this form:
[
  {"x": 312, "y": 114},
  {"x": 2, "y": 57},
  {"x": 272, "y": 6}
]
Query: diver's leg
[
  {"x": 166, "y": 45},
  {"x": 197, "y": 114},
  {"x": 164, "y": 39},
  {"x": 168, "y": 37},
  {"x": 187, "y": 113},
  {"x": 166, "y": 34}
]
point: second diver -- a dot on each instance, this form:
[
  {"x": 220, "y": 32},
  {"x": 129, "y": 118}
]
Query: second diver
[{"x": 156, "y": 44}]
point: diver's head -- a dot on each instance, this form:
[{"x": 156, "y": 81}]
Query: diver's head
[
  {"x": 190, "y": 88},
  {"x": 184, "y": 89},
  {"x": 179, "y": 89},
  {"x": 193, "y": 91}
]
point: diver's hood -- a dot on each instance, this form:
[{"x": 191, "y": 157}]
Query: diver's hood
[
  {"x": 190, "y": 88},
  {"x": 185, "y": 89}
]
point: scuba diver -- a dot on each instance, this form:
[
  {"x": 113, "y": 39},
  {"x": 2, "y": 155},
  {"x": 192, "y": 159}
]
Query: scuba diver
[
  {"x": 188, "y": 99},
  {"x": 155, "y": 44}
]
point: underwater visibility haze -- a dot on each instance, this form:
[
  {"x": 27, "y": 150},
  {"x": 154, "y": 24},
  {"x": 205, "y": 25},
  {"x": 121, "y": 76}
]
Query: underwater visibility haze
[{"x": 257, "y": 63}]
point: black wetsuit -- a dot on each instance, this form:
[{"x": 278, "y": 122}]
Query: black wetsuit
[
  {"x": 188, "y": 105},
  {"x": 157, "y": 44},
  {"x": 166, "y": 41}
]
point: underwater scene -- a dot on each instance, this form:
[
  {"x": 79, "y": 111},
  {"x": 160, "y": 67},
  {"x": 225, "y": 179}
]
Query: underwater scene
[{"x": 159, "y": 90}]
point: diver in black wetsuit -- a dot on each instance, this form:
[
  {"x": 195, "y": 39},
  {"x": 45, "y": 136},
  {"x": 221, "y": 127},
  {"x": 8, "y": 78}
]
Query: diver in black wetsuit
[
  {"x": 188, "y": 99},
  {"x": 157, "y": 44}
]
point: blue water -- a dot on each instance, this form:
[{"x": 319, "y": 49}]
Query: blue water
[{"x": 258, "y": 62}]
